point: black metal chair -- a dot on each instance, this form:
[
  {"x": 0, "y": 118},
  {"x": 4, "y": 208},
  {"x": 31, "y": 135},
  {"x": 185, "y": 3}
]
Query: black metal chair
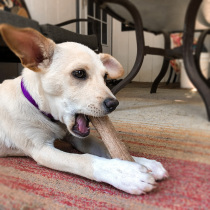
[{"x": 164, "y": 17}]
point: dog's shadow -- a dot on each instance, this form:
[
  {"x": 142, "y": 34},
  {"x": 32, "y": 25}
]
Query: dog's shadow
[{"x": 65, "y": 146}]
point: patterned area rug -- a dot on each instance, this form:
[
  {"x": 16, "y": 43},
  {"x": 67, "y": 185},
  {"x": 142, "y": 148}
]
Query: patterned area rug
[{"x": 26, "y": 185}]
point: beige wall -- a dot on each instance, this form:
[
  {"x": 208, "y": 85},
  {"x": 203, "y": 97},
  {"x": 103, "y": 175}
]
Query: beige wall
[{"x": 53, "y": 11}]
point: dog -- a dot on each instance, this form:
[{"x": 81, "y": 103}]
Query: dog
[{"x": 60, "y": 86}]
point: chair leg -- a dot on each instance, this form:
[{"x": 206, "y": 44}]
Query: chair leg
[
  {"x": 170, "y": 75},
  {"x": 139, "y": 41},
  {"x": 160, "y": 76},
  {"x": 174, "y": 80},
  {"x": 164, "y": 65},
  {"x": 199, "y": 47},
  {"x": 192, "y": 70}
]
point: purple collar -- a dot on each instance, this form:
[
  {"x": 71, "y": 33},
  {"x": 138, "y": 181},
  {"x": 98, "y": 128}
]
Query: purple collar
[{"x": 32, "y": 101}]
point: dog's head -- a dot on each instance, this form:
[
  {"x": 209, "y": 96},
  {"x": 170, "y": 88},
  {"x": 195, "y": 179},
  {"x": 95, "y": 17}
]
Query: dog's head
[{"x": 72, "y": 76}]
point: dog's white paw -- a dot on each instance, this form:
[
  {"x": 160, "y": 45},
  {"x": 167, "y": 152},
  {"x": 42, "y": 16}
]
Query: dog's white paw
[
  {"x": 128, "y": 176},
  {"x": 155, "y": 167}
]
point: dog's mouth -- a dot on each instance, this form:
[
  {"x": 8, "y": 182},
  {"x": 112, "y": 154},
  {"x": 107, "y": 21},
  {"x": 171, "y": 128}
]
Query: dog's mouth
[{"x": 81, "y": 126}]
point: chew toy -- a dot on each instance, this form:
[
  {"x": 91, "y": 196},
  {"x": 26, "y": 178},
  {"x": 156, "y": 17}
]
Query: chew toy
[{"x": 111, "y": 139}]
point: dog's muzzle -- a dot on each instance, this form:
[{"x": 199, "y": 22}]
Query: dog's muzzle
[{"x": 81, "y": 127}]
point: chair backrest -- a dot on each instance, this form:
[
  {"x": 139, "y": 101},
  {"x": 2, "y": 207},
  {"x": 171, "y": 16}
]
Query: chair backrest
[
  {"x": 59, "y": 35},
  {"x": 18, "y": 21}
]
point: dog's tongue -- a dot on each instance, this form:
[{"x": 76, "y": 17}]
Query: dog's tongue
[{"x": 82, "y": 124}]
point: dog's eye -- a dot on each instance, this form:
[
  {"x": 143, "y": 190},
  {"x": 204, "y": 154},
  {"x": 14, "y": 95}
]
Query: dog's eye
[{"x": 81, "y": 74}]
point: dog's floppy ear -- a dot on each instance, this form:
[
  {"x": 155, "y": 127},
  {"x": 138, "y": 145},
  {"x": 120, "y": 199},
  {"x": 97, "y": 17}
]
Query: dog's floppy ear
[
  {"x": 28, "y": 44},
  {"x": 114, "y": 68}
]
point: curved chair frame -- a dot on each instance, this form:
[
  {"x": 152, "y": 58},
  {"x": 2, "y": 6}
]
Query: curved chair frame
[
  {"x": 191, "y": 62},
  {"x": 193, "y": 70},
  {"x": 139, "y": 41}
]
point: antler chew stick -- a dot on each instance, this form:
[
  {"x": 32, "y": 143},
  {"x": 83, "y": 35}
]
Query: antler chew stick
[{"x": 111, "y": 139}]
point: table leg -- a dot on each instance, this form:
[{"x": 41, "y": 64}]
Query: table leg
[
  {"x": 194, "y": 73},
  {"x": 199, "y": 47},
  {"x": 165, "y": 65}
]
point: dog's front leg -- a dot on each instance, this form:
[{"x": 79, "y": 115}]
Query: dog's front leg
[
  {"x": 95, "y": 146},
  {"x": 127, "y": 176},
  {"x": 53, "y": 158},
  {"x": 155, "y": 167}
]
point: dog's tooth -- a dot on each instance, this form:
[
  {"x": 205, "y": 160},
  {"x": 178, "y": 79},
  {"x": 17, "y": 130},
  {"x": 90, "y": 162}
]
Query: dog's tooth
[{"x": 85, "y": 117}]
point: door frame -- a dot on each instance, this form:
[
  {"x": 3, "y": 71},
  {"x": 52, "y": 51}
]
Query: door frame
[{"x": 82, "y": 28}]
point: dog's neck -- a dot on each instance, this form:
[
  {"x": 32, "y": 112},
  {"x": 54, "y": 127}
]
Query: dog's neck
[{"x": 31, "y": 91}]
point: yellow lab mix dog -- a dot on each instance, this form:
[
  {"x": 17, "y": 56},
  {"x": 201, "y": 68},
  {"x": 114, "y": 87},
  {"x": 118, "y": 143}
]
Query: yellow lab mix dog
[{"x": 60, "y": 86}]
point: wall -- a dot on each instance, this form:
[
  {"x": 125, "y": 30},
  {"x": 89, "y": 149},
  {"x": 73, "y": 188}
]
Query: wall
[{"x": 53, "y": 12}]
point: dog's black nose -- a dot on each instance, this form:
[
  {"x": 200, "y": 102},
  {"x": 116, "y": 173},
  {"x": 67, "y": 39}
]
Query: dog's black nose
[{"x": 111, "y": 104}]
